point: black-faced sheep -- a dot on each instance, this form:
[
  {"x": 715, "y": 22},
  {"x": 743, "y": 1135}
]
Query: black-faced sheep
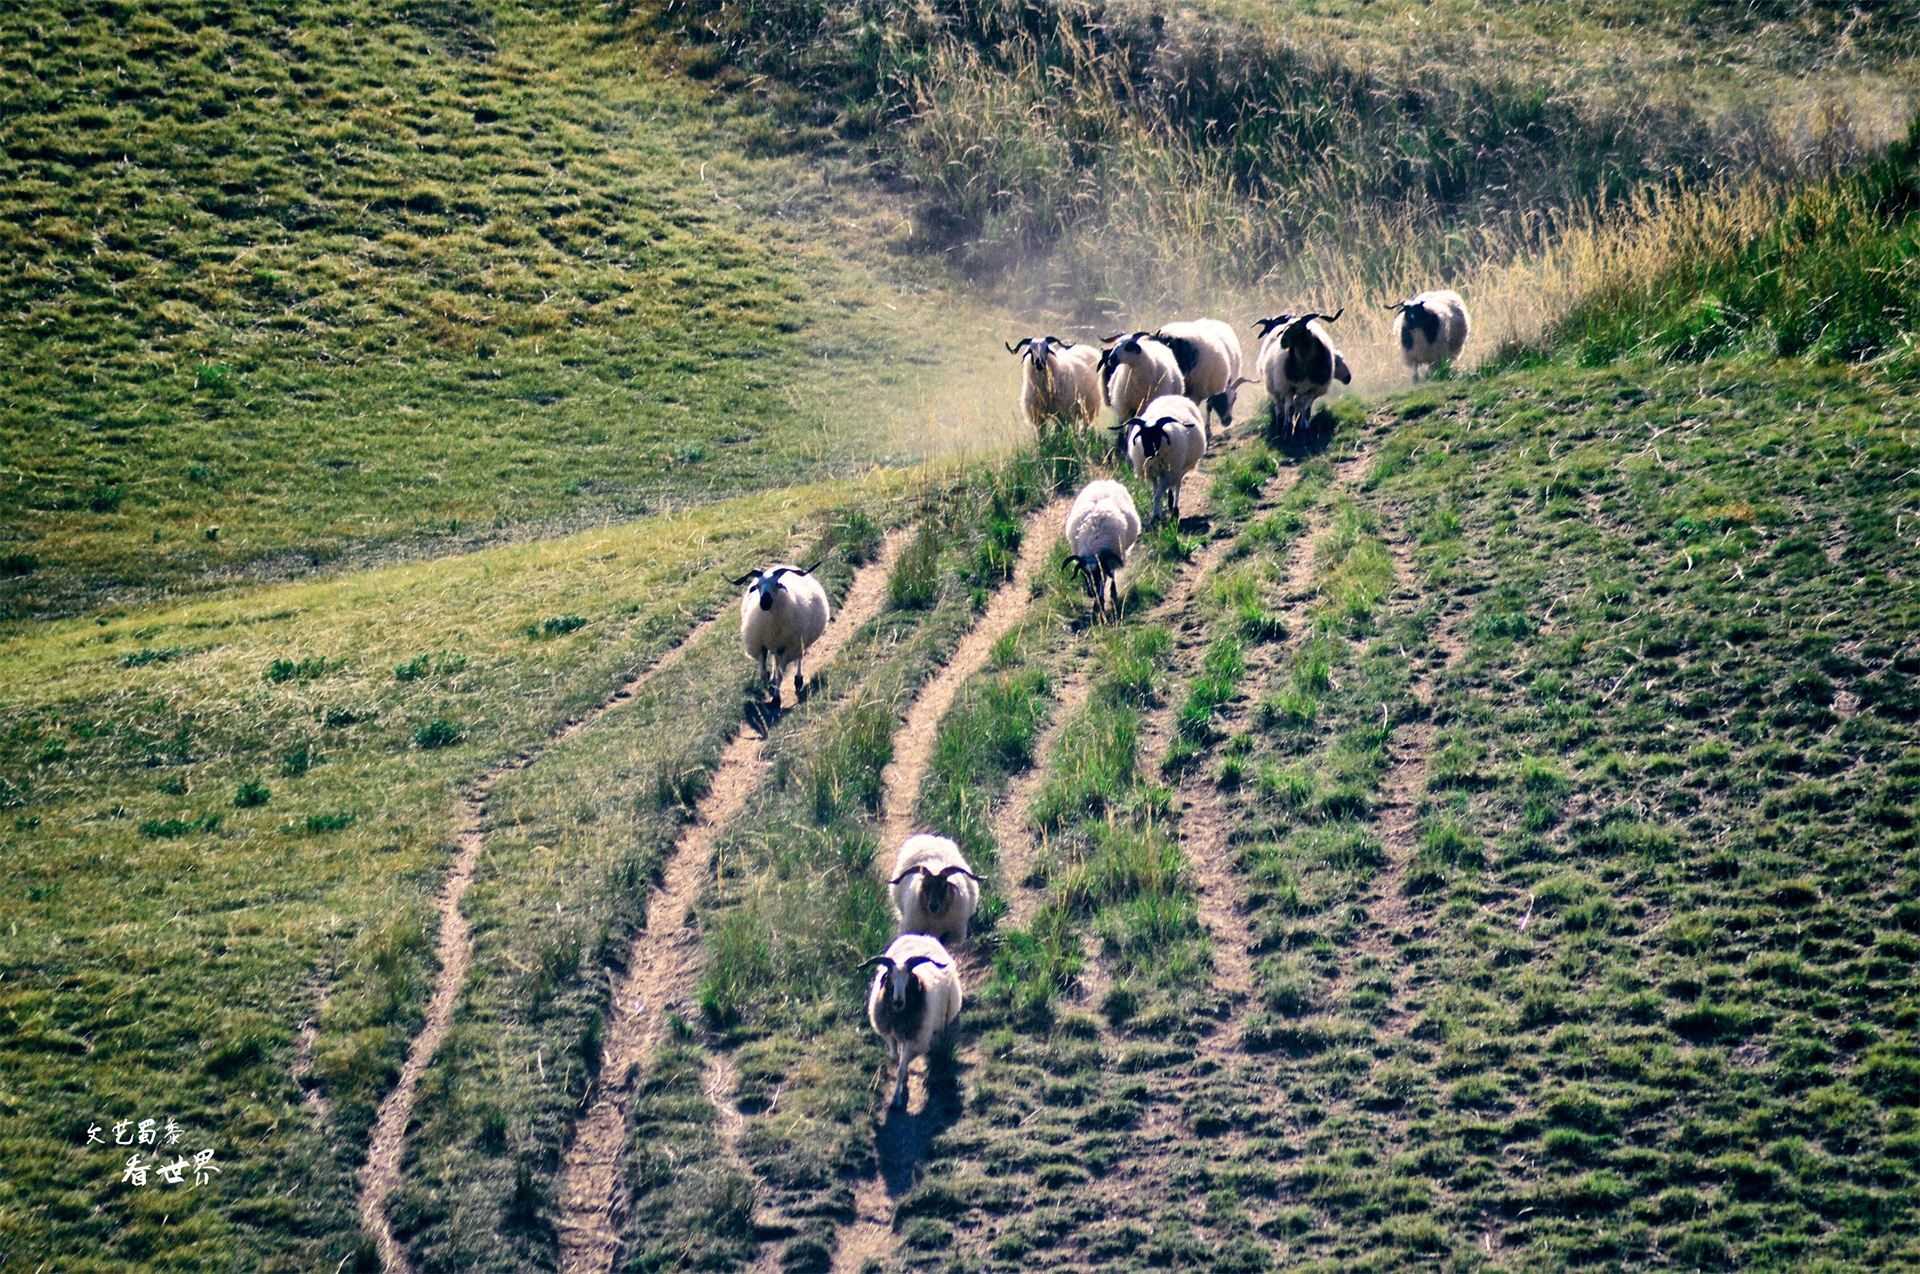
[
  {"x": 1101, "y": 529},
  {"x": 1299, "y": 363},
  {"x": 1208, "y": 355},
  {"x": 1059, "y": 379},
  {"x": 1164, "y": 444},
  {"x": 1137, "y": 370},
  {"x": 783, "y": 611},
  {"x": 933, "y": 888},
  {"x": 914, "y": 1004},
  {"x": 1430, "y": 328}
]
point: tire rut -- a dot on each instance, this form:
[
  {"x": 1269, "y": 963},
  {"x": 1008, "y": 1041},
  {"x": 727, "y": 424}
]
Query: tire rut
[
  {"x": 661, "y": 964},
  {"x": 869, "y": 1235},
  {"x": 380, "y": 1175}
]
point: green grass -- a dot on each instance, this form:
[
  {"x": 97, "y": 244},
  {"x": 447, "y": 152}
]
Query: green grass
[
  {"x": 1831, "y": 276},
  {"x": 329, "y": 281},
  {"x": 164, "y": 941}
]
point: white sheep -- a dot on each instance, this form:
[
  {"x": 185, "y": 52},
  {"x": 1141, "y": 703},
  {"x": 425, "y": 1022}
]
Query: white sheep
[
  {"x": 1430, "y": 328},
  {"x": 1059, "y": 380},
  {"x": 1164, "y": 443},
  {"x": 933, "y": 888},
  {"x": 914, "y": 1004},
  {"x": 1208, "y": 355},
  {"x": 1101, "y": 529},
  {"x": 1299, "y": 363},
  {"x": 1137, "y": 370},
  {"x": 783, "y": 611}
]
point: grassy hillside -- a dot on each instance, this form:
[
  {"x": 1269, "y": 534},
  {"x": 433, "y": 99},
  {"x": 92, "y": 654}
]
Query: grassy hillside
[
  {"x": 1485, "y": 840},
  {"x": 302, "y": 282}
]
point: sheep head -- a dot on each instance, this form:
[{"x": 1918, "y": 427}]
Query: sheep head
[
  {"x": 899, "y": 974},
  {"x": 1297, "y": 329},
  {"x": 768, "y": 582},
  {"x": 936, "y": 887}
]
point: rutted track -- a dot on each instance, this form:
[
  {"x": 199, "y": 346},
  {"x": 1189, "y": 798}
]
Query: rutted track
[
  {"x": 662, "y": 962},
  {"x": 381, "y": 1175},
  {"x": 870, "y": 1233}
]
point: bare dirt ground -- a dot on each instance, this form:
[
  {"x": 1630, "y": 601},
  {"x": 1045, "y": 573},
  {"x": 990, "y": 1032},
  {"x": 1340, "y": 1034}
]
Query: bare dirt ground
[
  {"x": 662, "y": 964},
  {"x": 869, "y": 1234},
  {"x": 381, "y": 1175}
]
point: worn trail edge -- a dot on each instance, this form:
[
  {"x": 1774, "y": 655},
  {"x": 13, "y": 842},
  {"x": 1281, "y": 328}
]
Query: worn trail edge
[
  {"x": 870, "y": 1233},
  {"x": 662, "y": 962},
  {"x": 381, "y": 1175}
]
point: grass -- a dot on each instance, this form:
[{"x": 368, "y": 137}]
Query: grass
[
  {"x": 142, "y": 881},
  {"x": 334, "y": 281}
]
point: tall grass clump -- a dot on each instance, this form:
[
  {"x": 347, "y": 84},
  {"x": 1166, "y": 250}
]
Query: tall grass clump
[{"x": 1830, "y": 272}]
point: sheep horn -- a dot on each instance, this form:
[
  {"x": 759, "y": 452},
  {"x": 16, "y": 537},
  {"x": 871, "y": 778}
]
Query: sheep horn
[
  {"x": 1116, "y": 336},
  {"x": 1398, "y": 305},
  {"x": 947, "y": 872},
  {"x": 887, "y": 961},
  {"x": 750, "y": 575},
  {"x": 1335, "y": 316},
  {"x": 808, "y": 570},
  {"x": 1057, "y": 341},
  {"x": 1015, "y": 349},
  {"x": 915, "y": 961},
  {"x": 903, "y": 875}
]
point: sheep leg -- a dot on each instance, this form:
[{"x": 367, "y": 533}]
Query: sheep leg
[
  {"x": 900, "y": 1080},
  {"x": 800, "y": 678}
]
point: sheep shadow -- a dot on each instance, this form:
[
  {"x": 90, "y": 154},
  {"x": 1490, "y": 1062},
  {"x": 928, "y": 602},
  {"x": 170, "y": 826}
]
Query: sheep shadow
[
  {"x": 902, "y": 1137},
  {"x": 762, "y": 714},
  {"x": 1298, "y": 446}
]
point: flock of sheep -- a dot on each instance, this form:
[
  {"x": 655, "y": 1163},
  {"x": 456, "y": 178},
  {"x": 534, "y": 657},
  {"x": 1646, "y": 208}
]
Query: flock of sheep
[{"x": 1165, "y": 386}]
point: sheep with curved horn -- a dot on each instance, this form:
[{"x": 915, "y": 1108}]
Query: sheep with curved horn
[
  {"x": 1137, "y": 369},
  {"x": 783, "y": 611},
  {"x": 1059, "y": 380},
  {"x": 914, "y": 1003},
  {"x": 1299, "y": 363},
  {"x": 1164, "y": 444},
  {"x": 933, "y": 888},
  {"x": 1208, "y": 355}
]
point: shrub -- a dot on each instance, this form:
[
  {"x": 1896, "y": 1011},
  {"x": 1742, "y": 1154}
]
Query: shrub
[
  {"x": 251, "y": 794},
  {"x": 438, "y": 734}
]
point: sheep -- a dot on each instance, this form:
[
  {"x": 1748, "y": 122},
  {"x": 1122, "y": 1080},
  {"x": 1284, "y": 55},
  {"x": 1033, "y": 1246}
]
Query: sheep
[
  {"x": 915, "y": 1001},
  {"x": 1299, "y": 363},
  {"x": 934, "y": 890},
  {"x": 1165, "y": 444},
  {"x": 1208, "y": 355},
  {"x": 1101, "y": 528},
  {"x": 1137, "y": 370},
  {"x": 783, "y": 611},
  {"x": 1059, "y": 378},
  {"x": 1430, "y": 328}
]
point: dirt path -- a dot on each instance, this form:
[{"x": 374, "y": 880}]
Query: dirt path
[
  {"x": 662, "y": 963},
  {"x": 1398, "y": 814},
  {"x": 869, "y": 1235},
  {"x": 381, "y": 1175},
  {"x": 913, "y": 742}
]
